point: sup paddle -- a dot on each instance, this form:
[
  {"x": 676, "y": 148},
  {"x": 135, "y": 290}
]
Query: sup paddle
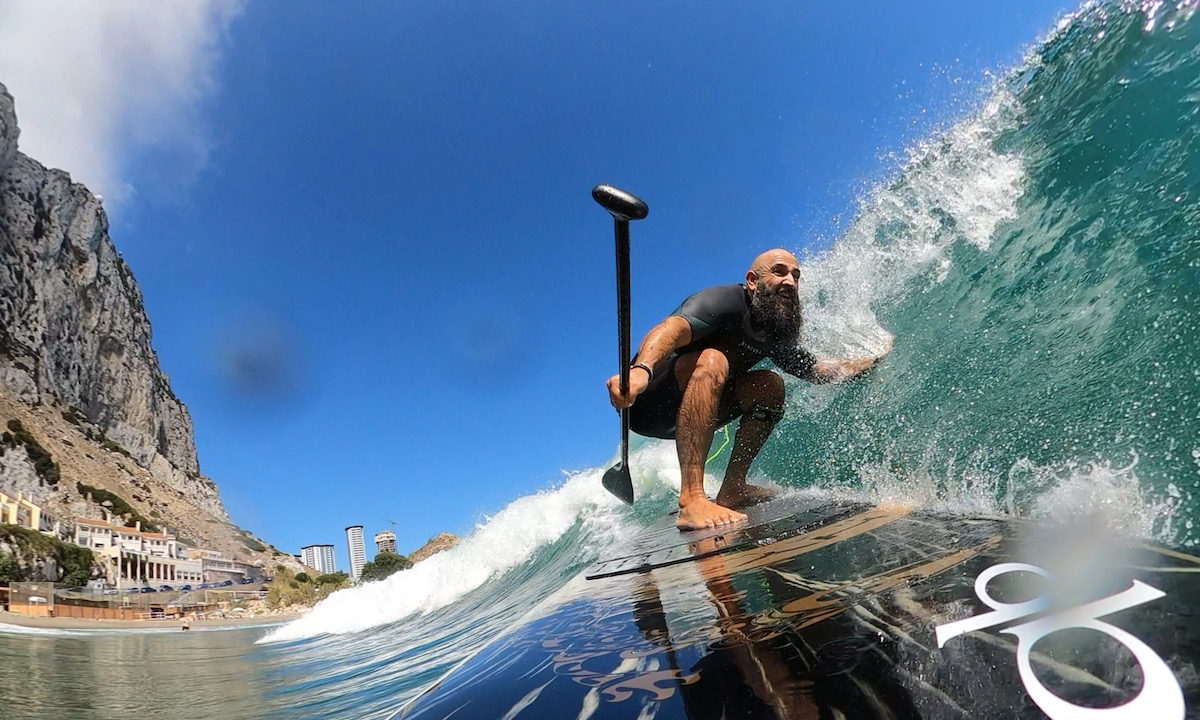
[{"x": 623, "y": 207}]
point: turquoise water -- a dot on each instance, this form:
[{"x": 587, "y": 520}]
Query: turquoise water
[{"x": 1039, "y": 265}]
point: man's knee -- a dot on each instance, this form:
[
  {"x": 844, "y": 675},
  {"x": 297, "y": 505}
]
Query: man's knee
[
  {"x": 711, "y": 366},
  {"x": 762, "y": 396},
  {"x": 764, "y": 388},
  {"x": 774, "y": 390}
]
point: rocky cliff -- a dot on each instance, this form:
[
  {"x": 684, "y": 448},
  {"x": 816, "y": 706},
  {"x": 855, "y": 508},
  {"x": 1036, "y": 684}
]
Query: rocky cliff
[
  {"x": 436, "y": 544},
  {"x": 78, "y": 373}
]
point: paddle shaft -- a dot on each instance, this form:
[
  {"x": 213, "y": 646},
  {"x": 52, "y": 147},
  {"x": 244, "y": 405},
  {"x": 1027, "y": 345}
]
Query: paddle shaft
[
  {"x": 621, "y": 229},
  {"x": 623, "y": 207}
]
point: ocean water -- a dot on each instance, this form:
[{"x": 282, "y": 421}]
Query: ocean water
[{"x": 1039, "y": 264}]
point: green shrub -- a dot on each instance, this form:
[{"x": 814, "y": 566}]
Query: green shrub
[
  {"x": 114, "y": 447},
  {"x": 75, "y": 561},
  {"x": 337, "y": 579},
  {"x": 288, "y": 588},
  {"x": 253, "y": 544},
  {"x": 10, "y": 569}
]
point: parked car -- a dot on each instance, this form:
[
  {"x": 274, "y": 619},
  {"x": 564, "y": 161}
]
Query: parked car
[
  {"x": 166, "y": 588},
  {"x": 245, "y": 581},
  {"x": 227, "y": 583},
  {"x": 185, "y": 588},
  {"x": 148, "y": 590}
]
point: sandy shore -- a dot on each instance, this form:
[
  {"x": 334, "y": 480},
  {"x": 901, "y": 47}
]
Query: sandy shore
[{"x": 86, "y": 624}]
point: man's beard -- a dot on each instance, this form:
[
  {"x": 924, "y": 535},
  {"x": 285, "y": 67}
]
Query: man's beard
[{"x": 778, "y": 315}]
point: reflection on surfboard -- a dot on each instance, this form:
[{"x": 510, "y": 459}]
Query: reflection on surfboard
[{"x": 834, "y": 610}]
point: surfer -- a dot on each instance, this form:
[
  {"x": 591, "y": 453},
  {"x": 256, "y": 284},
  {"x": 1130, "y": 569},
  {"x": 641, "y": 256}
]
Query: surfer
[{"x": 694, "y": 375}]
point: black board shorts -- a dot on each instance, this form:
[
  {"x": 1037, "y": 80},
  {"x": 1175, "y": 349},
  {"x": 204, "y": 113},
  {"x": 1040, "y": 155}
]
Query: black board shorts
[{"x": 655, "y": 411}]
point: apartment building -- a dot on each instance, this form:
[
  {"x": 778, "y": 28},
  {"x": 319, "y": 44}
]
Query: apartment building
[
  {"x": 22, "y": 512},
  {"x": 319, "y": 558}
]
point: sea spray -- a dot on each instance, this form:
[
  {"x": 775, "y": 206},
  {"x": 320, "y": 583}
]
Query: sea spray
[{"x": 1038, "y": 265}]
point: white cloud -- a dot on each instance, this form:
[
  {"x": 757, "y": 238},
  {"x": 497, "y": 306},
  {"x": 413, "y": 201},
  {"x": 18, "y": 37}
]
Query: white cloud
[{"x": 97, "y": 83}]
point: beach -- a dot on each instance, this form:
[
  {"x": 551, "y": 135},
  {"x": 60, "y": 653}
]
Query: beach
[{"x": 52, "y": 623}]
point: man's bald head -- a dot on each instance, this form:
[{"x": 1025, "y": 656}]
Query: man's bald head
[
  {"x": 772, "y": 267},
  {"x": 767, "y": 260}
]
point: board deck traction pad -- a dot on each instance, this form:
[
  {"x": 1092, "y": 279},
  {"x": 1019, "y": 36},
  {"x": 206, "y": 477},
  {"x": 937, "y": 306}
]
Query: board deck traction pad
[{"x": 819, "y": 609}]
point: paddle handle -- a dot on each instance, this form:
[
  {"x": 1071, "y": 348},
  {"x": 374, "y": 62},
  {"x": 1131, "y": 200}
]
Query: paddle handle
[{"x": 621, "y": 230}]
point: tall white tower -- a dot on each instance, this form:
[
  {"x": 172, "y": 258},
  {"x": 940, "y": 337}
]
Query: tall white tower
[{"x": 358, "y": 554}]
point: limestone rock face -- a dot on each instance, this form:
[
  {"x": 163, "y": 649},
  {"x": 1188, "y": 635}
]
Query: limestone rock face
[
  {"x": 17, "y": 476},
  {"x": 8, "y": 129},
  {"x": 73, "y": 331},
  {"x": 436, "y": 544}
]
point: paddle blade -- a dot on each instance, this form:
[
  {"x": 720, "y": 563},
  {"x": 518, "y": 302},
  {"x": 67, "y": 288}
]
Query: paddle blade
[{"x": 618, "y": 482}]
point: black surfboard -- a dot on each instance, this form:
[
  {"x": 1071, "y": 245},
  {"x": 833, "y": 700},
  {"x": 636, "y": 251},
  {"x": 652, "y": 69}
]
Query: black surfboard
[{"x": 830, "y": 610}]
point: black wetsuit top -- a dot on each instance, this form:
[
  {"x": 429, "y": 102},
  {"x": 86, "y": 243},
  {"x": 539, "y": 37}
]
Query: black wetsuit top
[{"x": 719, "y": 317}]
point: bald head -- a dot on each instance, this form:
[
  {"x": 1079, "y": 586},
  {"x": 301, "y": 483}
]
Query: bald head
[
  {"x": 772, "y": 268},
  {"x": 764, "y": 263}
]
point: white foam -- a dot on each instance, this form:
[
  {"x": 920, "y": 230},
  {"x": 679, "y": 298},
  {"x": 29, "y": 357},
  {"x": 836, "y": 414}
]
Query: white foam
[
  {"x": 1070, "y": 493},
  {"x": 501, "y": 543},
  {"x": 1108, "y": 496},
  {"x": 955, "y": 189}
]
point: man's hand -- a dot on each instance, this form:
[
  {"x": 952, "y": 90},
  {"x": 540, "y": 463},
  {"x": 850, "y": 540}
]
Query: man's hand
[
  {"x": 887, "y": 346},
  {"x": 836, "y": 371},
  {"x": 638, "y": 380},
  {"x": 662, "y": 340}
]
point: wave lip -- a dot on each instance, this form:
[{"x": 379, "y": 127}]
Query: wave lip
[{"x": 502, "y": 543}]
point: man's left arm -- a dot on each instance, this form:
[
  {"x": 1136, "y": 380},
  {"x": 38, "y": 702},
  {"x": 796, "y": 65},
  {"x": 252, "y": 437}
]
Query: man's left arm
[{"x": 829, "y": 370}]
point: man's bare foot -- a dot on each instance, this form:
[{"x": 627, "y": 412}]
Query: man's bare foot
[
  {"x": 703, "y": 513},
  {"x": 741, "y": 494}
]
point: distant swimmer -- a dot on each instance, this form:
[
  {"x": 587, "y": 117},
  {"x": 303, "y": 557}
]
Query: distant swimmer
[{"x": 694, "y": 376}]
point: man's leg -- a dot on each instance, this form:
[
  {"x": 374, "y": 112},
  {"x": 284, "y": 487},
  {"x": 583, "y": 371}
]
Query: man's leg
[
  {"x": 760, "y": 397},
  {"x": 702, "y": 375}
]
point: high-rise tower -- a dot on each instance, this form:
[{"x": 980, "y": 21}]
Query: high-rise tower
[
  {"x": 386, "y": 541},
  {"x": 358, "y": 554},
  {"x": 319, "y": 558}
]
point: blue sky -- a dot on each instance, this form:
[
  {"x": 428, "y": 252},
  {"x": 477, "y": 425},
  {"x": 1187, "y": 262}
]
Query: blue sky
[{"x": 383, "y": 289}]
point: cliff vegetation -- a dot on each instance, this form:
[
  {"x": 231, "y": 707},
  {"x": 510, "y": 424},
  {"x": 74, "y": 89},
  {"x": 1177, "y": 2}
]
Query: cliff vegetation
[{"x": 27, "y": 555}]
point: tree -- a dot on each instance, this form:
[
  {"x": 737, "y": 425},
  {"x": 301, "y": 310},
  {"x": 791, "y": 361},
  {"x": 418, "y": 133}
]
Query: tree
[
  {"x": 302, "y": 577},
  {"x": 384, "y": 565},
  {"x": 76, "y": 565},
  {"x": 10, "y": 569},
  {"x": 336, "y": 579}
]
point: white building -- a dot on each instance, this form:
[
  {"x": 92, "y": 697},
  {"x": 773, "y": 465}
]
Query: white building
[
  {"x": 386, "y": 541},
  {"x": 215, "y": 567},
  {"x": 358, "y": 553},
  {"x": 135, "y": 557},
  {"x": 319, "y": 558}
]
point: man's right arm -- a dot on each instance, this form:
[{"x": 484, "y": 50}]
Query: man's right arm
[{"x": 662, "y": 340}]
